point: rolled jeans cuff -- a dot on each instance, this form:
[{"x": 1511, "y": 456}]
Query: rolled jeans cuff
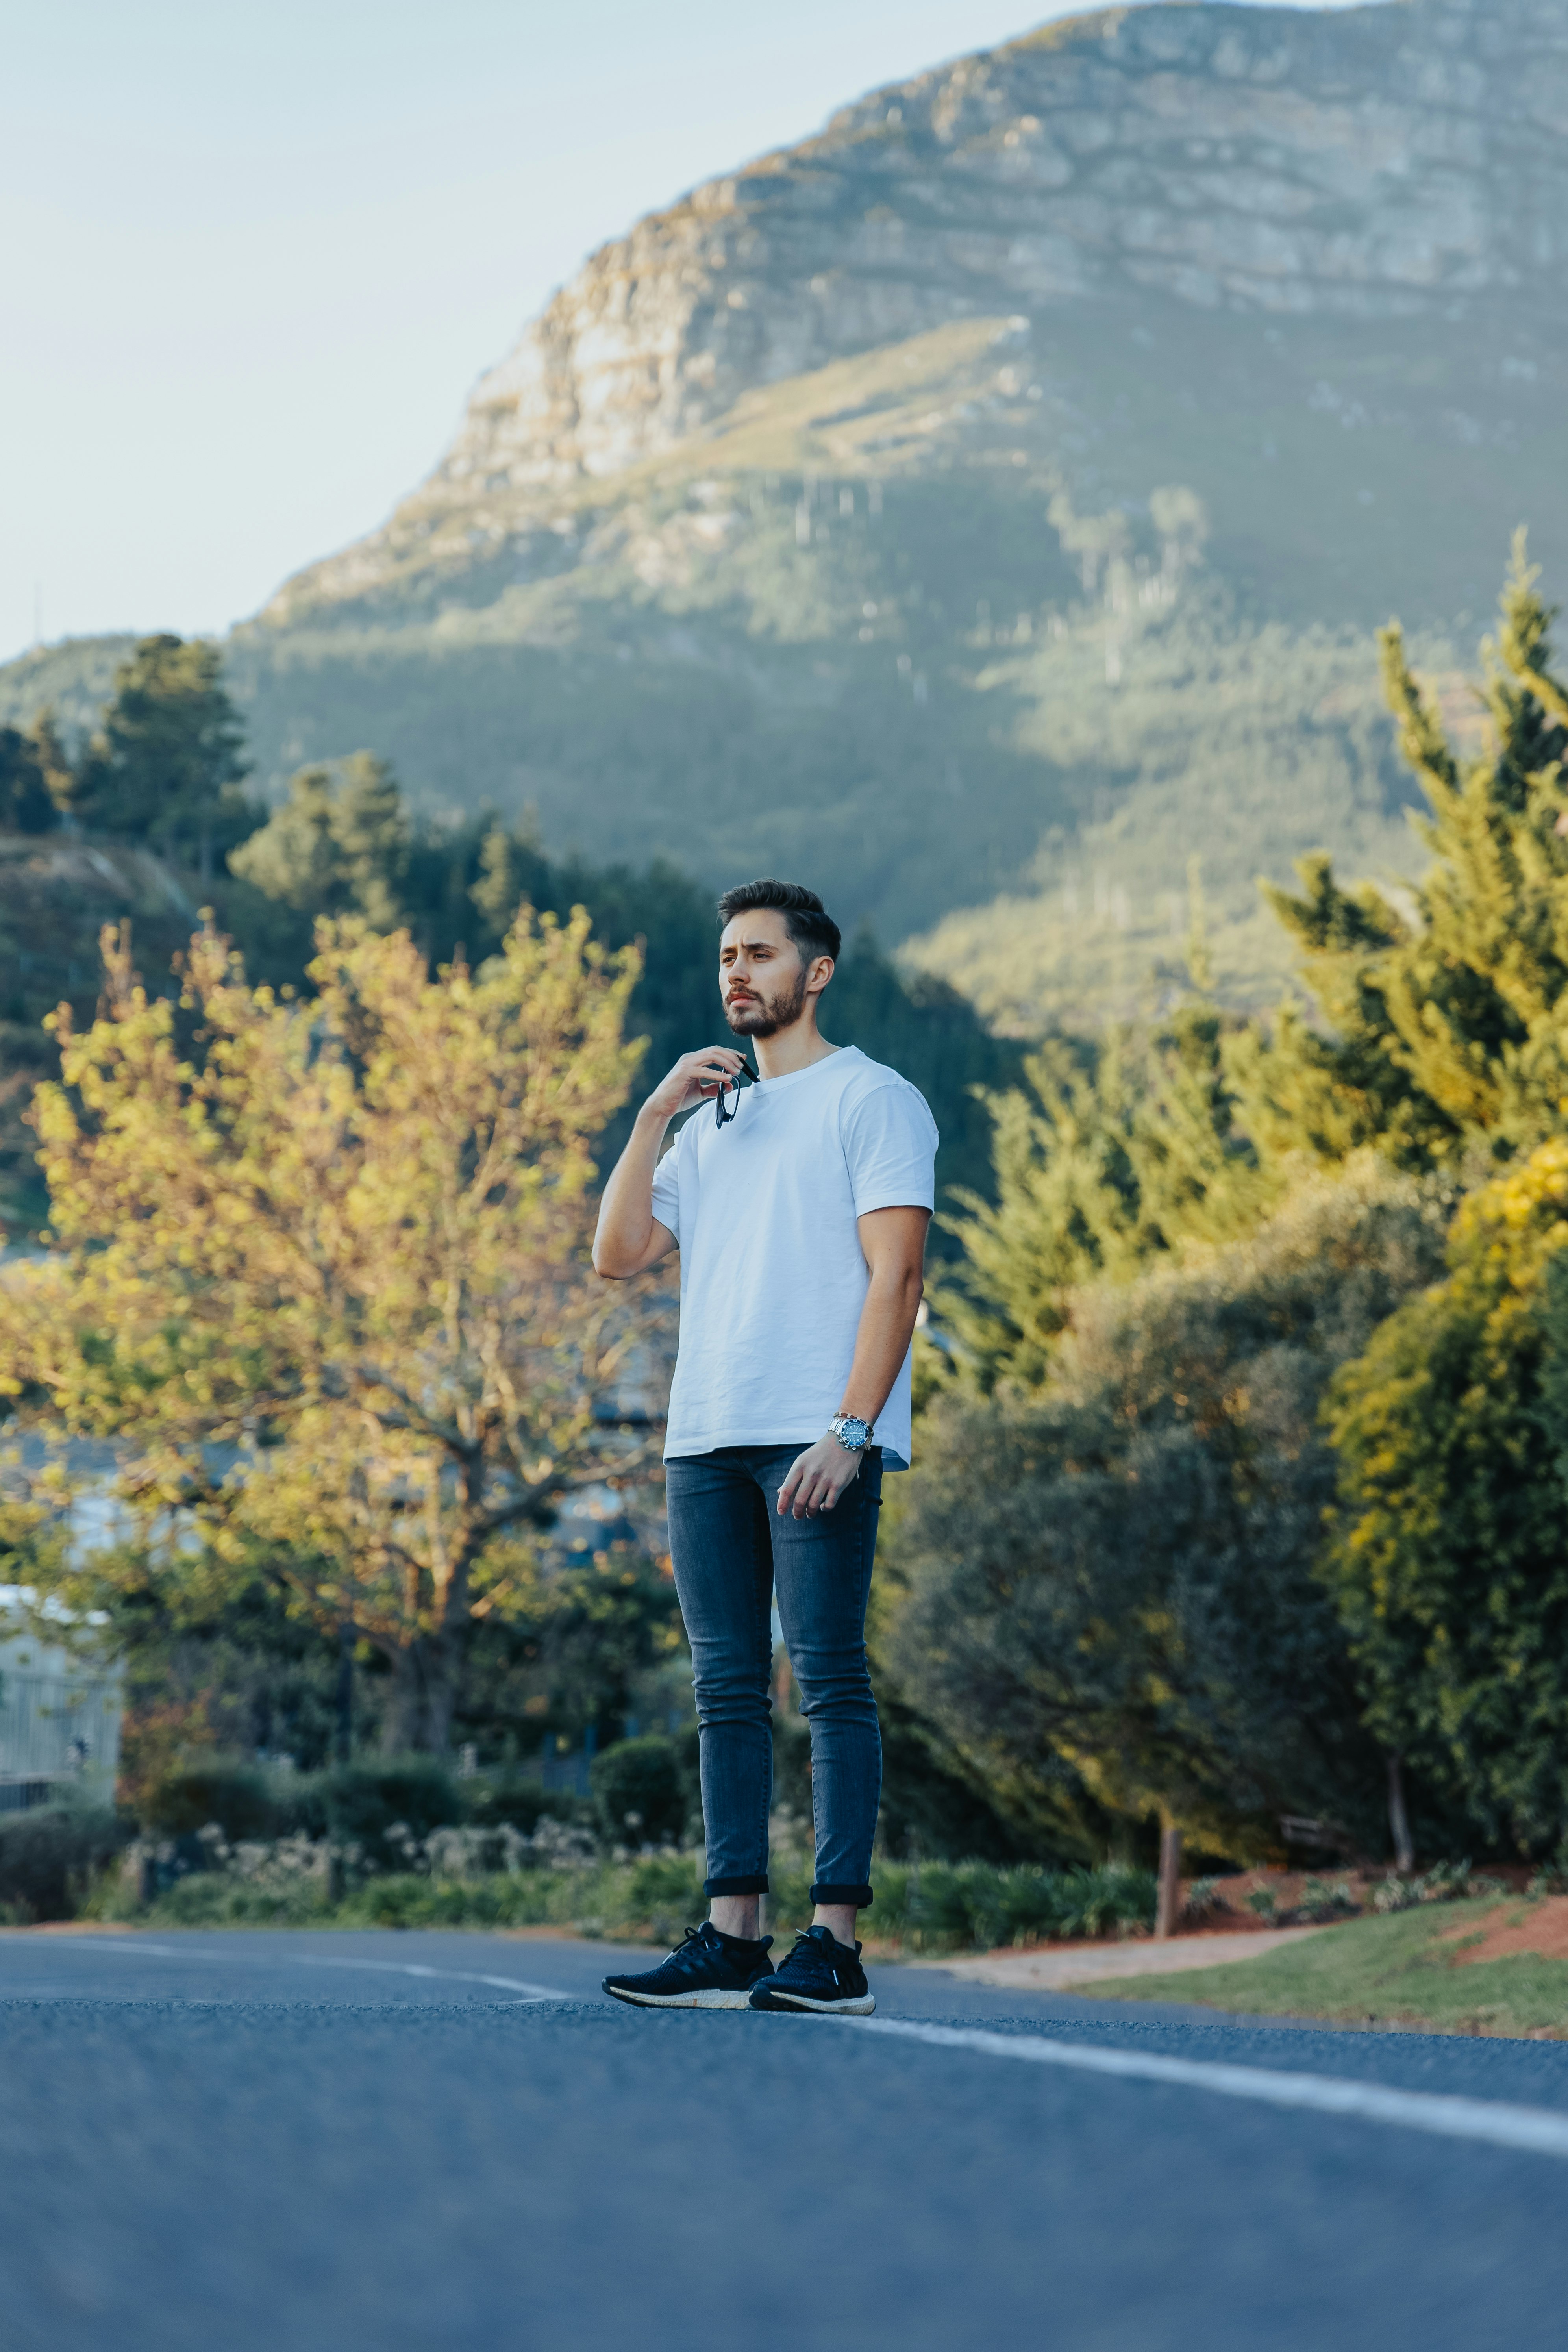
[
  {"x": 753, "y": 1885},
  {"x": 860, "y": 1897}
]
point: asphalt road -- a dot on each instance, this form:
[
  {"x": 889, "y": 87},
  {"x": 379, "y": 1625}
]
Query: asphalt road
[{"x": 445, "y": 2142}]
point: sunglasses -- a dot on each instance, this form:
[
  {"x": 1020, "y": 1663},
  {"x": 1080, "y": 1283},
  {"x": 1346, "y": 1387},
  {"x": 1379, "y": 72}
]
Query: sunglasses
[{"x": 723, "y": 1107}]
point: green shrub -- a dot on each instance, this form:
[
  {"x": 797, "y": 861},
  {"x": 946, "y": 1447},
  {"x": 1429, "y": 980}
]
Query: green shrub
[
  {"x": 406, "y": 1901},
  {"x": 944, "y": 1905},
  {"x": 243, "y": 1802},
  {"x": 212, "y": 1898},
  {"x": 1121, "y": 1567},
  {"x": 49, "y": 1854},
  {"x": 1321, "y": 1902},
  {"x": 524, "y": 1804},
  {"x": 360, "y": 1804},
  {"x": 367, "y": 1805},
  {"x": 687, "y": 1746},
  {"x": 936, "y": 1907},
  {"x": 1094, "y": 1902},
  {"x": 652, "y": 1898},
  {"x": 792, "y": 1766},
  {"x": 637, "y": 1792},
  {"x": 664, "y": 1894}
]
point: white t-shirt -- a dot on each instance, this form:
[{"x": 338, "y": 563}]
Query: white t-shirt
[{"x": 773, "y": 1279}]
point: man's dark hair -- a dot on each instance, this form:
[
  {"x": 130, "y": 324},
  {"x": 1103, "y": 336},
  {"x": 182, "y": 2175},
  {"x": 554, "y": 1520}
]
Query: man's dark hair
[{"x": 807, "y": 920}]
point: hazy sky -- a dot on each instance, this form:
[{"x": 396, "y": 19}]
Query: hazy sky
[{"x": 255, "y": 255}]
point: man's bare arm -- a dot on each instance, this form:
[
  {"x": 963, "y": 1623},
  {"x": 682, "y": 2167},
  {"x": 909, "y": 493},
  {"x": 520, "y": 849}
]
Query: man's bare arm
[
  {"x": 629, "y": 1237},
  {"x": 893, "y": 1242}
]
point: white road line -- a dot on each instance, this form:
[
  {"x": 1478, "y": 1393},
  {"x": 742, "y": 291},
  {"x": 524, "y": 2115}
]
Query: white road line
[
  {"x": 1536, "y": 2130},
  {"x": 531, "y": 1992},
  {"x": 450, "y": 1976}
]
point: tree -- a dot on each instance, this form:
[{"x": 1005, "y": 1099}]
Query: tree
[
  {"x": 343, "y": 842},
  {"x": 219, "y": 1653},
  {"x": 1110, "y": 1580},
  {"x": 578, "y": 1646},
  {"x": 216, "y": 1654},
  {"x": 937, "y": 1040},
  {"x": 1087, "y": 1563},
  {"x": 1448, "y": 1561},
  {"x": 339, "y": 845},
  {"x": 1447, "y": 1029},
  {"x": 342, "y": 1242},
  {"x": 30, "y": 766},
  {"x": 1448, "y": 1024},
  {"x": 1103, "y": 1164},
  {"x": 167, "y": 761}
]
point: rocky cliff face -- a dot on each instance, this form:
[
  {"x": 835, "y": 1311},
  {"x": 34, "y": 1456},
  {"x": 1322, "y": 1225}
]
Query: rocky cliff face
[
  {"x": 984, "y": 508},
  {"x": 1382, "y": 161}
]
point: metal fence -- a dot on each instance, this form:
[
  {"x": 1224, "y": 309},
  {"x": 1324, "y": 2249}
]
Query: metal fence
[
  {"x": 60, "y": 1723},
  {"x": 565, "y": 1773}
]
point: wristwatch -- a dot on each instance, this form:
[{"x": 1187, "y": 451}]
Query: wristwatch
[{"x": 853, "y": 1434}]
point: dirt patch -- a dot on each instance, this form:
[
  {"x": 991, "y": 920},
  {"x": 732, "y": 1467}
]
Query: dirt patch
[
  {"x": 1540, "y": 1928},
  {"x": 78, "y": 1927},
  {"x": 1045, "y": 1969}
]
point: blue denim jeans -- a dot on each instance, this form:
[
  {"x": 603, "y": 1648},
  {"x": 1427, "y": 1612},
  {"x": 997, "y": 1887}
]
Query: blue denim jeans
[{"x": 732, "y": 1551}]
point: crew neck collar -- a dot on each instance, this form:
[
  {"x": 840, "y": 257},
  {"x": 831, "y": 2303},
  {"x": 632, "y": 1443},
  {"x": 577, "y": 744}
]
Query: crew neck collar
[{"x": 793, "y": 1078}]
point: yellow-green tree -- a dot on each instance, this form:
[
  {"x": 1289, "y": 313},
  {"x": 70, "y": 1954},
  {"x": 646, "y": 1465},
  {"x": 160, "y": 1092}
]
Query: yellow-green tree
[
  {"x": 1449, "y": 1561},
  {"x": 320, "y": 1271}
]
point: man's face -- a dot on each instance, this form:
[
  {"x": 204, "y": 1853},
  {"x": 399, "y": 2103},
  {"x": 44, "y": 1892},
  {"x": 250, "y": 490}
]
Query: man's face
[{"x": 762, "y": 976}]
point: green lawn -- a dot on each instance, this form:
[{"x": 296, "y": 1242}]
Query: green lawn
[{"x": 1402, "y": 1970}]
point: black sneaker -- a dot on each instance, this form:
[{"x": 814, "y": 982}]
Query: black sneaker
[
  {"x": 822, "y": 1974},
  {"x": 706, "y": 1971}
]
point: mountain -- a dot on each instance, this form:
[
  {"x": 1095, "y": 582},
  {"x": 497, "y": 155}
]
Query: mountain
[{"x": 982, "y": 509}]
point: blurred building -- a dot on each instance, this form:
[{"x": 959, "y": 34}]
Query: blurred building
[{"x": 60, "y": 1723}]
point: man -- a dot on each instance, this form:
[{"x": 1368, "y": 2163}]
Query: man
[{"x": 799, "y": 1204}]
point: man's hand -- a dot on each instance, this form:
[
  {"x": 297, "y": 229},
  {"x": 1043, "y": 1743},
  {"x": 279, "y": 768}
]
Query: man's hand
[
  {"x": 817, "y": 1478},
  {"x": 629, "y": 1238},
  {"x": 694, "y": 1078}
]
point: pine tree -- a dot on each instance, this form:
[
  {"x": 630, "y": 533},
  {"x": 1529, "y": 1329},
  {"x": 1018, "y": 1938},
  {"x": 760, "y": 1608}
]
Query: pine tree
[
  {"x": 1450, "y": 1023},
  {"x": 167, "y": 762},
  {"x": 339, "y": 845},
  {"x": 27, "y": 803},
  {"x": 1103, "y": 1166},
  {"x": 54, "y": 765},
  {"x": 371, "y": 831}
]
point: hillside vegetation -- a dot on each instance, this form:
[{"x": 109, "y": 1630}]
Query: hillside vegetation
[
  {"x": 148, "y": 825},
  {"x": 982, "y": 509}
]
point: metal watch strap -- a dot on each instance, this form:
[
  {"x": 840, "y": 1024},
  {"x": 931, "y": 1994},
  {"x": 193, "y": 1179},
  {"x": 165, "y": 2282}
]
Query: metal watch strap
[{"x": 840, "y": 1421}]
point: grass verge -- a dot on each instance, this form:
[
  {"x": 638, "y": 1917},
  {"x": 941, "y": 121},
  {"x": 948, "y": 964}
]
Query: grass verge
[{"x": 1408, "y": 1971}]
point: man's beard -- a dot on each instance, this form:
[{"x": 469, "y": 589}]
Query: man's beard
[{"x": 765, "y": 1016}]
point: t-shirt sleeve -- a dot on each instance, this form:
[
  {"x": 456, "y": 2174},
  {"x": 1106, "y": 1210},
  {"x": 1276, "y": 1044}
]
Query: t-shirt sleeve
[
  {"x": 667, "y": 1189},
  {"x": 890, "y": 1143}
]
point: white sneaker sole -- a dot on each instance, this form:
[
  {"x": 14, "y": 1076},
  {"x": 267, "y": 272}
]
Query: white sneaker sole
[
  {"x": 862, "y": 2005},
  {"x": 709, "y": 2000}
]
